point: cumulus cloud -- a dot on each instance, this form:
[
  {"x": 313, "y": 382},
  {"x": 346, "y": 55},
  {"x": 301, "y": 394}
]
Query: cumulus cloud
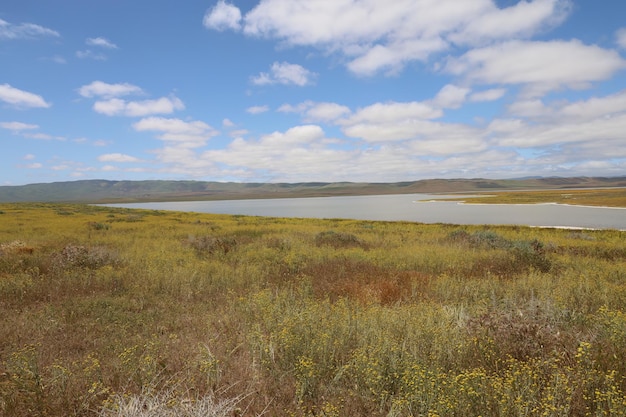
[
  {"x": 120, "y": 107},
  {"x": 299, "y": 150},
  {"x": 451, "y": 97},
  {"x": 541, "y": 66},
  {"x": 285, "y": 73},
  {"x": 102, "y": 89},
  {"x": 177, "y": 132},
  {"x": 393, "y": 112},
  {"x": 317, "y": 112},
  {"x": 375, "y": 36},
  {"x": 257, "y": 109},
  {"x": 117, "y": 157},
  {"x": 9, "y": 31},
  {"x": 20, "y": 98},
  {"x": 222, "y": 16},
  {"x": 101, "y": 42},
  {"x": 488, "y": 95},
  {"x": 564, "y": 112},
  {"x": 394, "y": 56},
  {"x": 326, "y": 112},
  {"x": 518, "y": 21}
]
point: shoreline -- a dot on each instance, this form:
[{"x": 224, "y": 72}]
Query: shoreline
[{"x": 465, "y": 203}]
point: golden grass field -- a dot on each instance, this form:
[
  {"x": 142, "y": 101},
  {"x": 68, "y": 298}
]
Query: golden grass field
[{"x": 118, "y": 312}]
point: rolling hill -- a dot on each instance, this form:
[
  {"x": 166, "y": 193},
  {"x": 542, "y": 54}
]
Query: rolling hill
[{"x": 101, "y": 191}]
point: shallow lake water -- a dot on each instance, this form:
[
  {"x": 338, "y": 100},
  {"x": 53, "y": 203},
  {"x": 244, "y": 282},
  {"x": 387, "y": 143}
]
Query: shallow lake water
[{"x": 422, "y": 208}]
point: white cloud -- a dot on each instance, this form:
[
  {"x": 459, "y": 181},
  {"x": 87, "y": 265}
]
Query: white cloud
[
  {"x": 564, "y": 112},
  {"x": 376, "y": 35},
  {"x": 18, "y": 126},
  {"x": 326, "y": 112},
  {"x": 222, "y": 16},
  {"x": 595, "y": 107},
  {"x": 292, "y": 137},
  {"x": 101, "y": 42},
  {"x": 588, "y": 131},
  {"x": 177, "y": 132},
  {"x": 238, "y": 133},
  {"x": 227, "y": 123},
  {"x": 34, "y": 165},
  {"x": 541, "y": 66},
  {"x": 29, "y": 157},
  {"x": 285, "y": 73},
  {"x": 102, "y": 89},
  {"x": 117, "y": 157},
  {"x": 393, "y": 112},
  {"x": 299, "y": 150},
  {"x": 119, "y": 107},
  {"x": 24, "y": 31},
  {"x": 20, "y": 98},
  {"x": 450, "y": 97},
  {"x": 43, "y": 136},
  {"x": 394, "y": 56},
  {"x": 317, "y": 112},
  {"x": 257, "y": 109},
  {"x": 89, "y": 54},
  {"x": 518, "y": 21},
  {"x": 111, "y": 107},
  {"x": 620, "y": 37},
  {"x": 488, "y": 95}
]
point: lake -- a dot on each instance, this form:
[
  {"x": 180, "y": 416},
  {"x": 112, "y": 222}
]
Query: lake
[{"x": 422, "y": 208}]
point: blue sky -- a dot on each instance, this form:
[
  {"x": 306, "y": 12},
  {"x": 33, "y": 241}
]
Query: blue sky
[{"x": 311, "y": 90}]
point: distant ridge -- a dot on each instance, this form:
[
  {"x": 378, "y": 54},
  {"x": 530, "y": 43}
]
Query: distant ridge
[{"x": 102, "y": 191}]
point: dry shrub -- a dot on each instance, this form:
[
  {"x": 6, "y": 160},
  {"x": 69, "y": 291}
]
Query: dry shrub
[
  {"x": 211, "y": 244},
  {"x": 363, "y": 281},
  {"x": 523, "y": 333},
  {"x": 15, "y": 247},
  {"x": 338, "y": 240},
  {"x": 78, "y": 256}
]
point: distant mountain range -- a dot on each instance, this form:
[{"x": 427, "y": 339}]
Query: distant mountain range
[{"x": 103, "y": 191}]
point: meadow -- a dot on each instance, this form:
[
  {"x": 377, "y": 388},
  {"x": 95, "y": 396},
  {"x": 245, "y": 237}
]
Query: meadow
[
  {"x": 120, "y": 312},
  {"x": 603, "y": 197}
]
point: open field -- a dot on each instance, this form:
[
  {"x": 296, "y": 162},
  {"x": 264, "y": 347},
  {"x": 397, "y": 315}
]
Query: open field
[
  {"x": 609, "y": 197},
  {"x": 116, "y": 312}
]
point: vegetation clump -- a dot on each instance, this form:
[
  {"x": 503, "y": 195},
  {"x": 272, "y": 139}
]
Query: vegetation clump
[
  {"x": 79, "y": 256},
  {"x": 212, "y": 244},
  {"x": 338, "y": 239}
]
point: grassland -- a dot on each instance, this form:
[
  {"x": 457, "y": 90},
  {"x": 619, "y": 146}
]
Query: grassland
[
  {"x": 116, "y": 312},
  {"x": 609, "y": 197}
]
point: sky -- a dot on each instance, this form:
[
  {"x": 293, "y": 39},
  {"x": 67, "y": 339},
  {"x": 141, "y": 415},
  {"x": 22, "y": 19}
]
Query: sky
[{"x": 311, "y": 90}]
